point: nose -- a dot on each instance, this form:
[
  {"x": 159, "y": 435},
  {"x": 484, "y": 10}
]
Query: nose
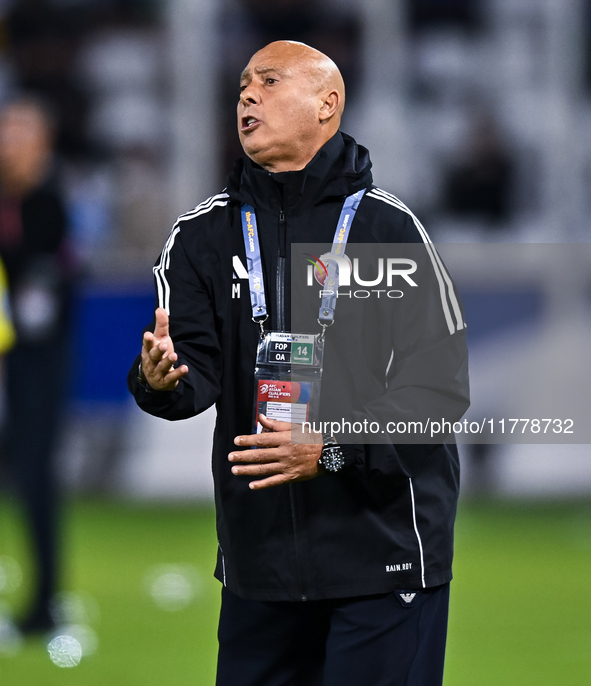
[{"x": 249, "y": 96}]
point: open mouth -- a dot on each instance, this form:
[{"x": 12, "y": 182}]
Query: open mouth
[{"x": 249, "y": 123}]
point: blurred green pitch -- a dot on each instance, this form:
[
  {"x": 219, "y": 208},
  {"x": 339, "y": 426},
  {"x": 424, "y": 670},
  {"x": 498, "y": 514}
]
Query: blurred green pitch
[{"x": 521, "y": 599}]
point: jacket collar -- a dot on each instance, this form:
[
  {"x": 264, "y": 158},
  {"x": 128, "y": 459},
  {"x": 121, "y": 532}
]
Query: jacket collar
[{"x": 339, "y": 168}]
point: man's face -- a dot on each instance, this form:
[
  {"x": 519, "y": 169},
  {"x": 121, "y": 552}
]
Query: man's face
[
  {"x": 24, "y": 139},
  {"x": 278, "y": 109}
]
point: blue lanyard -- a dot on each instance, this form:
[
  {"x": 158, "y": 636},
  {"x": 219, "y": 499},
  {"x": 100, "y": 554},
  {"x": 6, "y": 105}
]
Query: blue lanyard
[
  {"x": 255, "y": 269},
  {"x": 254, "y": 265},
  {"x": 330, "y": 291}
]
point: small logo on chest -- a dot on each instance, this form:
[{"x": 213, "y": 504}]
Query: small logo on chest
[{"x": 239, "y": 273}]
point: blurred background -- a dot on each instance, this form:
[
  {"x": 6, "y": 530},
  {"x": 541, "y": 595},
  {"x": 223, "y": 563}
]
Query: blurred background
[{"x": 477, "y": 114}]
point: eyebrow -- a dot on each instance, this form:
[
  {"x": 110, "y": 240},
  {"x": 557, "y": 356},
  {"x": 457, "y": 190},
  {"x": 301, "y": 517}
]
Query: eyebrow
[{"x": 263, "y": 70}]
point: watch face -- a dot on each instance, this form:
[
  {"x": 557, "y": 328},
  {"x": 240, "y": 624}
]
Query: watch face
[{"x": 332, "y": 459}]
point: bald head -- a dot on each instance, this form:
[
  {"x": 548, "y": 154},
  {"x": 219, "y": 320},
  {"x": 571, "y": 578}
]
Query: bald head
[
  {"x": 291, "y": 102},
  {"x": 321, "y": 72}
]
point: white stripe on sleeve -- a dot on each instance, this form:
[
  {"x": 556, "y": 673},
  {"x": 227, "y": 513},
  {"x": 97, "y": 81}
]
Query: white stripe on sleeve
[
  {"x": 438, "y": 266},
  {"x": 162, "y": 285}
]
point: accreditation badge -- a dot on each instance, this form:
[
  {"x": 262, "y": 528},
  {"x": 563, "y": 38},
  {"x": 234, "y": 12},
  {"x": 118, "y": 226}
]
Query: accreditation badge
[{"x": 287, "y": 377}]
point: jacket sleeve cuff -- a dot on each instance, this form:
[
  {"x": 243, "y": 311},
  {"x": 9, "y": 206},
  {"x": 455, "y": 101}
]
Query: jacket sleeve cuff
[
  {"x": 157, "y": 398},
  {"x": 144, "y": 394}
]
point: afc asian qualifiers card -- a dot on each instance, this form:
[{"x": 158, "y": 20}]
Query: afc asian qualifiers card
[{"x": 286, "y": 401}]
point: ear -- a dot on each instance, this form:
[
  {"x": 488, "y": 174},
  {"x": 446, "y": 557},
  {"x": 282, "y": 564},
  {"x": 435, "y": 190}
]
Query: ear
[{"x": 329, "y": 104}]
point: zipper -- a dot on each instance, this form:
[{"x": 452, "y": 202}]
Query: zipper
[
  {"x": 280, "y": 285},
  {"x": 294, "y": 522},
  {"x": 281, "y": 257}
]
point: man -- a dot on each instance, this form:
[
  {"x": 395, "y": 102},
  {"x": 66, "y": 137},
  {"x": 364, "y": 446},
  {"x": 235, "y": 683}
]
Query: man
[
  {"x": 335, "y": 560},
  {"x": 33, "y": 228}
]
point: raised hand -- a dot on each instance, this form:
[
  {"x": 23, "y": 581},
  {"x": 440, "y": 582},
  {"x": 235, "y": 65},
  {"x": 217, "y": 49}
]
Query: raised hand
[{"x": 158, "y": 356}]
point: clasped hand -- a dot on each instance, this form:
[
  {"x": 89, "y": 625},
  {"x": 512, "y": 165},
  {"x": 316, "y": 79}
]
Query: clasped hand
[{"x": 284, "y": 453}]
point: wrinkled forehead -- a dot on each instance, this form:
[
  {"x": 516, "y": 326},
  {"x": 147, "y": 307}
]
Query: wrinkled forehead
[
  {"x": 265, "y": 68},
  {"x": 286, "y": 62}
]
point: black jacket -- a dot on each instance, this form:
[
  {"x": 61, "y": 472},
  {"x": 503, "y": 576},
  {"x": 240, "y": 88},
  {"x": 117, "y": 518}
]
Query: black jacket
[
  {"x": 33, "y": 247},
  {"x": 383, "y": 522}
]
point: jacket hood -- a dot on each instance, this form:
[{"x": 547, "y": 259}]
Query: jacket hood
[{"x": 339, "y": 168}]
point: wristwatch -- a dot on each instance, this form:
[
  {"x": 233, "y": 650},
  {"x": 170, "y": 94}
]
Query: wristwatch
[
  {"x": 331, "y": 458},
  {"x": 141, "y": 379}
]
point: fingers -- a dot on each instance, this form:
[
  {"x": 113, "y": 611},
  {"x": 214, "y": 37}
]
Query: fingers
[
  {"x": 163, "y": 368},
  {"x": 148, "y": 341},
  {"x": 259, "y": 469},
  {"x": 174, "y": 376},
  {"x": 255, "y": 456},
  {"x": 161, "y": 329},
  {"x": 274, "y": 433},
  {"x": 162, "y": 380},
  {"x": 296, "y": 431},
  {"x": 157, "y": 349},
  {"x": 264, "y": 440},
  {"x": 276, "y": 465},
  {"x": 270, "y": 474},
  {"x": 274, "y": 424},
  {"x": 275, "y": 480},
  {"x": 157, "y": 365},
  {"x": 151, "y": 345},
  {"x": 158, "y": 355},
  {"x": 273, "y": 471},
  {"x": 162, "y": 351}
]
